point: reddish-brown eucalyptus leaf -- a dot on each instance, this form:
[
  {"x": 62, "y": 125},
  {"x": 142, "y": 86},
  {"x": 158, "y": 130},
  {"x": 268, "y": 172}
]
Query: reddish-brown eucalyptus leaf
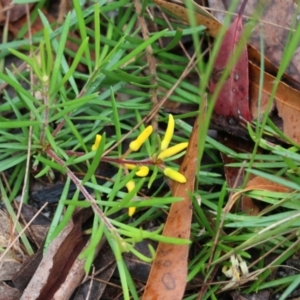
[
  {"x": 233, "y": 99},
  {"x": 167, "y": 279}
]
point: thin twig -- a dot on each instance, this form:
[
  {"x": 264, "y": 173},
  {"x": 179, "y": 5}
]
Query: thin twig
[
  {"x": 91, "y": 284},
  {"x": 83, "y": 190},
  {"x": 22, "y": 231},
  {"x": 149, "y": 56},
  {"x": 117, "y": 160}
]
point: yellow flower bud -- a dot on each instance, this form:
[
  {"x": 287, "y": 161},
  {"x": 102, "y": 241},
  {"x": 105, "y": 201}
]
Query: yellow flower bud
[
  {"x": 130, "y": 186},
  {"x": 131, "y": 211},
  {"x": 140, "y": 140},
  {"x": 97, "y": 142},
  {"x": 130, "y": 166},
  {"x": 176, "y": 176},
  {"x": 172, "y": 150},
  {"x": 169, "y": 133},
  {"x": 142, "y": 170}
]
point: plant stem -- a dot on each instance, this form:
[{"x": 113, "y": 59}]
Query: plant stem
[{"x": 86, "y": 194}]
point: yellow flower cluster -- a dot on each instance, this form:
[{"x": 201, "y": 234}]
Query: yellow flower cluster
[{"x": 164, "y": 153}]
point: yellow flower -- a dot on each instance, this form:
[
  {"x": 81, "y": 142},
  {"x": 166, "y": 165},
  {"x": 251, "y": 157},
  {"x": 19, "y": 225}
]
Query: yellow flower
[
  {"x": 142, "y": 170},
  {"x": 97, "y": 142},
  {"x": 176, "y": 176},
  {"x": 130, "y": 186},
  {"x": 172, "y": 150},
  {"x": 140, "y": 140},
  {"x": 169, "y": 133},
  {"x": 131, "y": 211}
]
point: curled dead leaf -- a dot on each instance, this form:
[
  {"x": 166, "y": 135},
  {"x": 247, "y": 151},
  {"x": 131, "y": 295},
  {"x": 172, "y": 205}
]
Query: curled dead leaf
[{"x": 257, "y": 183}]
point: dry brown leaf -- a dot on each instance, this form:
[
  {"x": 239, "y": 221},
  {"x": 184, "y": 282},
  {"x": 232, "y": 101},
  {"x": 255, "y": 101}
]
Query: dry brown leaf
[
  {"x": 55, "y": 277},
  {"x": 8, "y": 293},
  {"x": 37, "y": 230},
  {"x": 167, "y": 279},
  {"x": 8, "y": 267},
  {"x": 5, "y": 233},
  {"x": 36, "y": 26},
  {"x": 97, "y": 285},
  {"x": 257, "y": 183},
  {"x": 26, "y": 271},
  {"x": 14, "y": 11},
  {"x": 10, "y": 263},
  {"x": 202, "y": 16}
]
